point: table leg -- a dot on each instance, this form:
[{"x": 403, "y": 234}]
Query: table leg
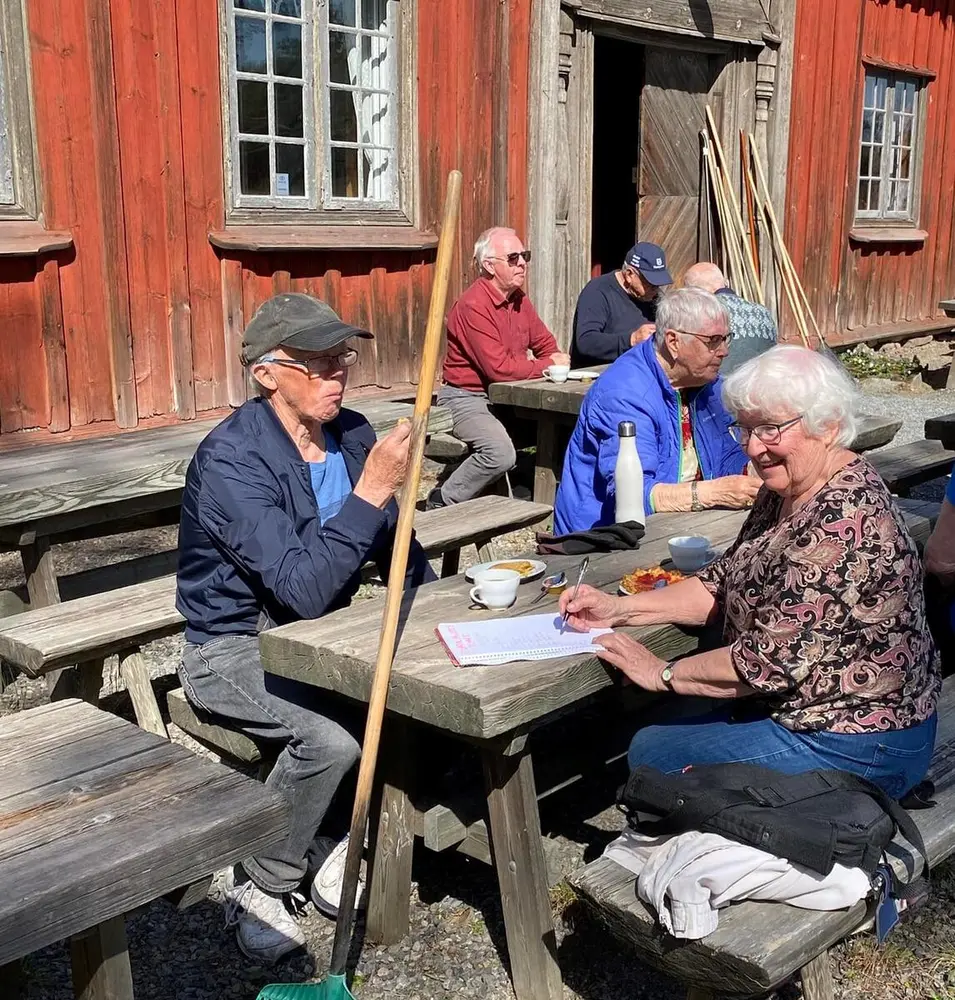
[
  {"x": 522, "y": 875},
  {"x": 100, "y": 960},
  {"x": 392, "y": 837},
  {"x": 450, "y": 562},
  {"x": 11, "y": 981},
  {"x": 545, "y": 472},
  {"x": 134, "y": 671},
  {"x": 40, "y": 572}
]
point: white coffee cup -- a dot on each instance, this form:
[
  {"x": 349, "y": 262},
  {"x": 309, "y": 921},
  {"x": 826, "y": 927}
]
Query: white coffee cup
[
  {"x": 496, "y": 588},
  {"x": 557, "y": 373},
  {"x": 690, "y": 552}
]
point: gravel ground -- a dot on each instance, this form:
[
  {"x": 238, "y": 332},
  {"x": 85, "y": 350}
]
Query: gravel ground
[{"x": 456, "y": 944}]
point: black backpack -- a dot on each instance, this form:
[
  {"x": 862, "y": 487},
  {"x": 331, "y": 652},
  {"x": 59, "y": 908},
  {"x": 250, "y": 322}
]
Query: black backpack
[{"x": 813, "y": 819}]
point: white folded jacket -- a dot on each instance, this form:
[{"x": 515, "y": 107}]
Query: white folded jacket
[{"x": 689, "y": 877}]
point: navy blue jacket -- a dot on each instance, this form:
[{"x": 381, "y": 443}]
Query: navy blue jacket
[
  {"x": 252, "y": 550},
  {"x": 636, "y": 388},
  {"x": 604, "y": 319}
]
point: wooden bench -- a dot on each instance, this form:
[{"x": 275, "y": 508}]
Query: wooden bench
[
  {"x": 88, "y": 630},
  {"x": 908, "y": 465},
  {"x": 757, "y": 946}
]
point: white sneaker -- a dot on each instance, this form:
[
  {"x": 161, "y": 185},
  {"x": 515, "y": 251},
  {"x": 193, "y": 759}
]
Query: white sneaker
[
  {"x": 264, "y": 929},
  {"x": 326, "y": 891}
]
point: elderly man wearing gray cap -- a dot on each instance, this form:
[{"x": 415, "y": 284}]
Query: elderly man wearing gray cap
[{"x": 284, "y": 502}]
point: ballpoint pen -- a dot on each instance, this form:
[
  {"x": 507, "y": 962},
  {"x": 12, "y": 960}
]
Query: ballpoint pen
[{"x": 580, "y": 575}]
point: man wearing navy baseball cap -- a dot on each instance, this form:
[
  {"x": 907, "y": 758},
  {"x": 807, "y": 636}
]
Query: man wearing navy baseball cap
[{"x": 616, "y": 311}]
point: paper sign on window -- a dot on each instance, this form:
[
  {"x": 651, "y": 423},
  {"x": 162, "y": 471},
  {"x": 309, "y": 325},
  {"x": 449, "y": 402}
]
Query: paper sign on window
[{"x": 281, "y": 185}]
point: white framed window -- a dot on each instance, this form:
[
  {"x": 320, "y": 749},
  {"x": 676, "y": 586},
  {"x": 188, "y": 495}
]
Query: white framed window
[
  {"x": 18, "y": 192},
  {"x": 890, "y": 148},
  {"x": 318, "y": 122}
]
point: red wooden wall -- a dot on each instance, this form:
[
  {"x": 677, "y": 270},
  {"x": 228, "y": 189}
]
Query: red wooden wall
[
  {"x": 860, "y": 290},
  {"x": 139, "y": 322}
]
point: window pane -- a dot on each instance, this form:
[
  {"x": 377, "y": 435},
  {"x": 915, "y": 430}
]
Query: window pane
[
  {"x": 908, "y": 124},
  {"x": 874, "y": 194},
  {"x": 869, "y": 100},
  {"x": 374, "y": 14},
  {"x": 878, "y": 126},
  {"x": 344, "y": 173},
  {"x": 290, "y": 8},
  {"x": 254, "y": 167},
  {"x": 864, "y": 160},
  {"x": 910, "y": 97},
  {"x": 876, "y": 161},
  {"x": 253, "y": 106},
  {"x": 342, "y": 12},
  {"x": 250, "y": 45},
  {"x": 374, "y": 66},
  {"x": 863, "y": 203},
  {"x": 867, "y": 126},
  {"x": 250, "y": 4},
  {"x": 379, "y": 174},
  {"x": 881, "y": 85},
  {"x": 343, "y": 124},
  {"x": 288, "y": 110},
  {"x": 376, "y": 119},
  {"x": 287, "y": 49},
  {"x": 902, "y": 196},
  {"x": 340, "y": 45},
  {"x": 290, "y": 169},
  {"x": 899, "y": 96},
  {"x": 904, "y": 171}
]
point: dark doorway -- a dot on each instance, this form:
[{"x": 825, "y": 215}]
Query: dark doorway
[{"x": 618, "y": 82}]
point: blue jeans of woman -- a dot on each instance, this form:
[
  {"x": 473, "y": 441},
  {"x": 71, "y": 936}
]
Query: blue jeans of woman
[{"x": 896, "y": 761}]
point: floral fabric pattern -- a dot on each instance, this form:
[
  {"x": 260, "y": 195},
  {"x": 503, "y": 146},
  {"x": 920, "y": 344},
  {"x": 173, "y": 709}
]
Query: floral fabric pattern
[{"x": 824, "y": 609}]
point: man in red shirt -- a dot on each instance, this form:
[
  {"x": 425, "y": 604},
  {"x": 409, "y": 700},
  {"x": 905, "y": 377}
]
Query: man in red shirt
[{"x": 494, "y": 335}]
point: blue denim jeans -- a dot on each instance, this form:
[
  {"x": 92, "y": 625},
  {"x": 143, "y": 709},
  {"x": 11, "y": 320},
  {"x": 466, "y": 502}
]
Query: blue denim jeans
[
  {"x": 896, "y": 761},
  {"x": 224, "y": 679}
]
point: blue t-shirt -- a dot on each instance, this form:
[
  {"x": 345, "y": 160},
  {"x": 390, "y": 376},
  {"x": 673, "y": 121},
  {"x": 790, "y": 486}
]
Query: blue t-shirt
[{"x": 330, "y": 482}]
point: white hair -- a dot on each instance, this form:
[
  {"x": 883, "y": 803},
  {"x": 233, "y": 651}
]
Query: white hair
[
  {"x": 789, "y": 380},
  {"x": 484, "y": 246},
  {"x": 690, "y": 310}
]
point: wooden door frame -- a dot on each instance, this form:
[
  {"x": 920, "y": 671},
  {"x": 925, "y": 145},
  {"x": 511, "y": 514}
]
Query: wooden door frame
[{"x": 561, "y": 100}]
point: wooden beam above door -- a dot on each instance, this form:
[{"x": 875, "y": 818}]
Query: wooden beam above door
[{"x": 741, "y": 21}]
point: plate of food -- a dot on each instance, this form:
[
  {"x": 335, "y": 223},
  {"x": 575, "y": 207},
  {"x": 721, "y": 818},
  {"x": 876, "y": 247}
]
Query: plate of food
[
  {"x": 581, "y": 376},
  {"x": 529, "y": 569},
  {"x": 642, "y": 580}
]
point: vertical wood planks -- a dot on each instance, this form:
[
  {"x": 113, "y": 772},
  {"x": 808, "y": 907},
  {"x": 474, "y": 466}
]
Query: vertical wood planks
[
  {"x": 54, "y": 346},
  {"x": 233, "y": 324}
]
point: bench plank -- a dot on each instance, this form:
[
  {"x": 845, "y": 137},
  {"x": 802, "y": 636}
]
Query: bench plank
[
  {"x": 909, "y": 465},
  {"x": 758, "y": 945},
  {"x": 102, "y": 624}
]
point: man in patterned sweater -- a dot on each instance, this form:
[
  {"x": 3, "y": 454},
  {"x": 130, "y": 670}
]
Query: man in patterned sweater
[{"x": 751, "y": 325}]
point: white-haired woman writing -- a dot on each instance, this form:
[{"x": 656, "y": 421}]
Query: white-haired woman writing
[{"x": 827, "y": 661}]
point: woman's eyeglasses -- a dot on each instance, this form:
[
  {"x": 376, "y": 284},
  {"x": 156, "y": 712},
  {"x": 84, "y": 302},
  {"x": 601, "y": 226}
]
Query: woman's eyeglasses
[
  {"x": 321, "y": 364},
  {"x": 513, "y": 258},
  {"x": 767, "y": 433}
]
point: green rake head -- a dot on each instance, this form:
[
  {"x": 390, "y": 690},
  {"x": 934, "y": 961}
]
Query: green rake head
[{"x": 330, "y": 988}]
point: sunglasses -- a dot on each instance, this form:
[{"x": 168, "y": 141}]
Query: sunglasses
[
  {"x": 767, "y": 433},
  {"x": 713, "y": 343},
  {"x": 322, "y": 364},
  {"x": 513, "y": 258}
]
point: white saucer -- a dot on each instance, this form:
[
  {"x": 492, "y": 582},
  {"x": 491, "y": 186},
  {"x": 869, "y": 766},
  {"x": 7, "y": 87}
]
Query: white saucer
[{"x": 538, "y": 568}]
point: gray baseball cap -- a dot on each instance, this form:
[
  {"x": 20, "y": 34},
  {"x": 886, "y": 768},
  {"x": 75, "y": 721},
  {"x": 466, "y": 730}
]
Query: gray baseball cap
[{"x": 293, "y": 319}]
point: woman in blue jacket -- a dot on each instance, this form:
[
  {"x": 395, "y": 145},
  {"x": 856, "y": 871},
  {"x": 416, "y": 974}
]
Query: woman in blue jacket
[{"x": 668, "y": 386}]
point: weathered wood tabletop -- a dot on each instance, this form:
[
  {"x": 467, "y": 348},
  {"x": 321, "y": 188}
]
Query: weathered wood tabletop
[
  {"x": 941, "y": 428},
  {"x": 97, "y": 485},
  {"x": 551, "y": 406},
  {"x": 494, "y": 707},
  {"x": 99, "y": 817}
]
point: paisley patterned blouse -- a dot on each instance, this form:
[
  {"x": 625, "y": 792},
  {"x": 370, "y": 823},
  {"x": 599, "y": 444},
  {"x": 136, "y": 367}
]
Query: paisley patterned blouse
[{"x": 824, "y": 610}]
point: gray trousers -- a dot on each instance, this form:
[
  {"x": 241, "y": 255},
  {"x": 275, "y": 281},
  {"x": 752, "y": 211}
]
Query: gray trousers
[
  {"x": 224, "y": 678},
  {"x": 492, "y": 451}
]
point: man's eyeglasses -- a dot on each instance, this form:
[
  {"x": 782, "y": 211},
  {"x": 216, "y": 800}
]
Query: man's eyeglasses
[
  {"x": 714, "y": 343},
  {"x": 513, "y": 258},
  {"x": 321, "y": 364},
  {"x": 767, "y": 433}
]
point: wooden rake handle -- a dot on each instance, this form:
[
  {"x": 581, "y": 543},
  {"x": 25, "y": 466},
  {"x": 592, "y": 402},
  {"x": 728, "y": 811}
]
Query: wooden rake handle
[{"x": 396, "y": 578}]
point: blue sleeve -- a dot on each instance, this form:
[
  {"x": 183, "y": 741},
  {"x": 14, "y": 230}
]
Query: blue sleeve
[
  {"x": 604, "y": 420},
  {"x": 305, "y": 573},
  {"x": 591, "y": 323}
]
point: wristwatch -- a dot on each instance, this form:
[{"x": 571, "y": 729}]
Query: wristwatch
[
  {"x": 695, "y": 504},
  {"x": 666, "y": 675}
]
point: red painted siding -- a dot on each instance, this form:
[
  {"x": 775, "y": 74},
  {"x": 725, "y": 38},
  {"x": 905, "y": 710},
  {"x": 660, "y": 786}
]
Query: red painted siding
[
  {"x": 141, "y": 319},
  {"x": 857, "y": 289}
]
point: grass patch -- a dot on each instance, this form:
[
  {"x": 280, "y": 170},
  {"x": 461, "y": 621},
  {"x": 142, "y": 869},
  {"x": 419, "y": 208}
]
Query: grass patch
[
  {"x": 862, "y": 362},
  {"x": 562, "y": 896}
]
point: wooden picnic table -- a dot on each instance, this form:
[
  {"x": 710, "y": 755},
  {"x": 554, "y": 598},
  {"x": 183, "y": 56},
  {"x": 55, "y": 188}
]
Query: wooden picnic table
[
  {"x": 551, "y": 406},
  {"x": 105, "y": 485},
  {"x": 100, "y": 817},
  {"x": 493, "y": 708},
  {"x": 941, "y": 428}
]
